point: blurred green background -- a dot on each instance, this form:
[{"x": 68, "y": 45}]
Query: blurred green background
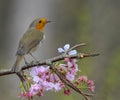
[{"x": 95, "y": 22}]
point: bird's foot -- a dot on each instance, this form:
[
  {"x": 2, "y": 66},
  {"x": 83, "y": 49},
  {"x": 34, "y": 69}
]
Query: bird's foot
[
  {"x": 26, "y": 63},
  {"x": 16, "y": 69},
  {"x": 13, "y": 69}
]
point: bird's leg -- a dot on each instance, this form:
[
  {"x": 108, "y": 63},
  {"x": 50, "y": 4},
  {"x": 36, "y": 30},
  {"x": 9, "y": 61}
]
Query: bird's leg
[
  {"x": 33, "y": 57},
  {"x": 25, "y": 61}
]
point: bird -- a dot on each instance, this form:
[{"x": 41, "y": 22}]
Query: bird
[{"x": 30, "y": 41}]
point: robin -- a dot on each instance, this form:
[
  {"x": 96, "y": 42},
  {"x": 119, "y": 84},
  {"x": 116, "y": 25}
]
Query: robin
[{"x": 30, "y": 40}]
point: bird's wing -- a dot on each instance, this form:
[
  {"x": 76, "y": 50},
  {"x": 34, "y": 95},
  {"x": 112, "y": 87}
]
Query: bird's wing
[{"x": 29, "y": 41}]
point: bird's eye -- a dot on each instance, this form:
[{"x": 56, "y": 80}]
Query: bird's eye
[{"x": 40, "y": 21}]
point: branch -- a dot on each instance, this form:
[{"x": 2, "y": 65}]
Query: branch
[
  {"x": 76, "y": 46},
  {"x": 54, "y": 59}
]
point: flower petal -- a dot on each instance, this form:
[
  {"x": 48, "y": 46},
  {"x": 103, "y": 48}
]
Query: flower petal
[
  {"x": 34, "y": 89},
  {"x": 57, "y": 87},
  {"x": 36, "y": 79},
  {"x": 62, "y": 65},
  {"x": 69, "y": 64},
  {"x": 66, "y": 47},
  {"x": 60, "y": 50},
  {"x": 70, "y": 76},
  {"x": 34, "y": 71},
  {"x": 73, "y": 52}
]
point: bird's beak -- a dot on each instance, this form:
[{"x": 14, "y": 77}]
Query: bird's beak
[{"x": 49, "y": 21}]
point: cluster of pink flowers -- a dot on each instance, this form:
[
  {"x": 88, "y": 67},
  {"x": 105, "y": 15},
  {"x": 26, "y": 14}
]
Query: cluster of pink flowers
[
  {"x": 44, "y": 79},
  {"x": 83, "y": 83}
]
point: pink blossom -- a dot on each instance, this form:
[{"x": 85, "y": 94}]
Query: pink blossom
[
  {"x": 83, "y": 78},
  {"x": 69, "y": 64},
  {"x": 39, "y": 70},
  {"x": 73, "y": 61},
  {"x": 71, "y": 69},
  {"x": 67, "y": 92},
  {"x": 43, "y": 72},
  {"x": 39, "y": 74},
  {"x": 58, "y": 86},
  {"x": 70, "y": 76},
  {"x": 92, "y": 88},
  {"x": 29, "y": 95},
  {"x": 47, "y": 80},
  {"x": 54, "y": 78},
  {"x": 36, "y": 79},
  {"x": 22, "y": 94},
  {"x": 62, "y": 85},
  {"x": 67, "y": 59},
  {"x": 42, "y": 69},
  {"x": 34, "y": 89},
  {"x": 53, "y": 86},
  {"x": 26, "y": 95},
  {"x": 47, "y": 85},
  {"x": 90, "y": 82},
  {"x": 34, "y": 71}
]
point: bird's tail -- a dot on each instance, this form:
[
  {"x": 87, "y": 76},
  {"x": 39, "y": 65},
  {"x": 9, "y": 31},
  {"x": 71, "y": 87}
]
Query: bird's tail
[{"x": 16, "y": 66}]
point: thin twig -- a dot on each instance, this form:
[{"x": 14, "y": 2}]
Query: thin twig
[{"x": 76, "y": 46}]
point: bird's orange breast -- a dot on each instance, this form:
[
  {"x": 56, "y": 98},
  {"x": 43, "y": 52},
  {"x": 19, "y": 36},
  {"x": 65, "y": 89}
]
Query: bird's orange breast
[{"x": 40, "y": 27}]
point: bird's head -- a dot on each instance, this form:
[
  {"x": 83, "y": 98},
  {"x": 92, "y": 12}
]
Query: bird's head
[{"x": 39, "y": 24}]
